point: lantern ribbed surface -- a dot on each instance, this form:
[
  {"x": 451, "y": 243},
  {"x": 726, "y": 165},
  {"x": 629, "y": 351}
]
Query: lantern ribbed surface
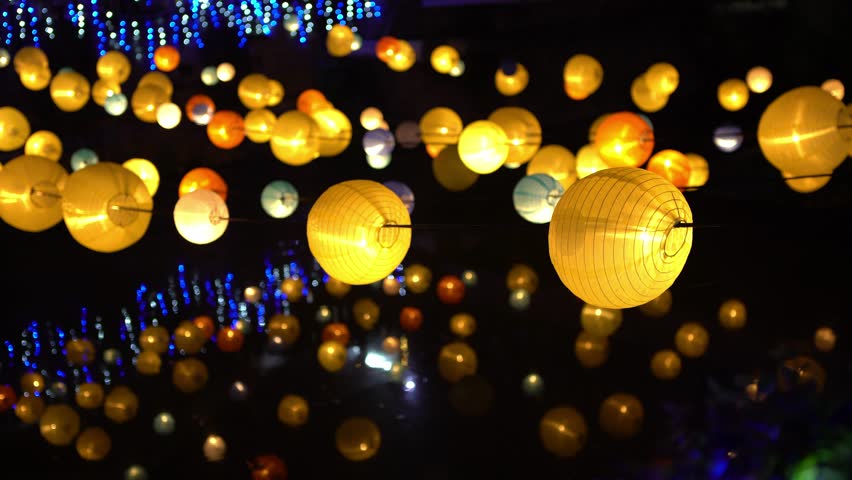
[
  {"x": 613, "y": 240},
  {"x": 345, "y": 231},
  {"x": 30, "y": 193}
]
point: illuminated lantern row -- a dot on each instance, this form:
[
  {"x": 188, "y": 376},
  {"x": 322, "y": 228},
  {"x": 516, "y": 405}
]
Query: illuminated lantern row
[
  {"x": 258, "y": 91},
  {"x": 511, "y": 78},
  {"x": 396, "y": 53},
  {"x": 650, "y": 91},
  {"x": 582, "y": 76},
  {"x": 32, "y": 66},
  {"x": 447, "y": 61}
]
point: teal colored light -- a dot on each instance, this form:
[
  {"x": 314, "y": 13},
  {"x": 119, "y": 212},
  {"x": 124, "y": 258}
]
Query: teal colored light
[
  {"x": 535, "y": 196},
  {"x": 83, "y": 158}
]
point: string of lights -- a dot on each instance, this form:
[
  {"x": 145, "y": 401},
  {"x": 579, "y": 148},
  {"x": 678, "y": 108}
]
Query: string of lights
[{"x": 184, "y": 22}]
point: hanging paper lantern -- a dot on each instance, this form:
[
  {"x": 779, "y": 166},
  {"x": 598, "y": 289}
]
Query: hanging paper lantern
[
  {"x": 189, "y": 375},
  {"x": 168, "y": 115},
  {"x": 311, "y": 101},
  {"x": 29, "y": 409},
  {"x": 201, "y": 216},
  {"x": 732, "y": 94},
  {"x": 418, "y": 278},
  {"x": 386, "y": 48},
  {"x": 14, "y": 129},
  {"x": 331, "y": 356},
  {"x": 671, "y": 165},
  {"x": 59, "y": 424},
  {"x": 226, "y": 129},
  {"x": 600, "y": 322},
  {"x": 624, "y": 140},
  {"x": 535, "y": 196},
  {"x": 658, "y": 307},
  {"x": 113, "y": 66},
  {"x": 5, "y": 58},
  {"x": 404, "y": 193},
  {"x": 230, "y": 340},
  {"x": 338, "y": 42},
  {"x": 276, "y": 93},
  {"x": 589, "y": 161},
  {"x": 378, "y": 142},
  {"x": 366, "y": 313},
  {"x": 591, "y": 351},
  {"x": 214, "y": 448},
  {"x": 159, "y": 80},
  {"x": 732, "y": 314},
  {"x": 522, "y": 277},
  {"x": 295, "y": 139},
  {"x": 69, "y": 91},
  {"x": 200, "y": 109},
  {"x": 259, "y": 124},
  {"x": 106, "y": 207},
  {"x": 456, "y": 360},
  {"x": 563, "y": 431},
  {"x": 728, "y": 138},
  {"x": 805, "y": 131},
  {"x": 148, "y": 363},
  {"x": 378, "y": 162},
  {"x": 805, "y": 185},
  {"x": 116, "y": 105},
  {"x": 146, "y": 171},
  {"x": 103, "y": 89},
  {"x": 44, "y": 144},
  {"x": 371, "y": 118},
  {"x": 30, "y": 193},
  {"x": 458, "y": 69},
  {"x": 29, "y": 57},
  {"x": 523, "y": 133},
  {"x": 93, "y": 444},
  {"x": 462, "y": 324},
  {"x": 625, "y": 221},
  {"x": 699, "y": 170},
  {"x": 759, "y": 79},
  {"x": 334, "y": 131},
  {"x": 253, "y": 91},
  {"x": 203, "y": 179},
  {"x": 284, "y": 329},
  {"x": 444, "y": 58},
  {"x": 483, "y": 146},
  {"x": 511, "y": 84},
  {"x": 834, "y": 87},
  {"x": 121, "y": 404},
  {"x": 209, "y": 76},
  {"x": 403, "y": 58},
  {"x": 407, "y": 134},
  {"x": 825, "y": 339},
  {"x": 582, "y": 76},
  {"x": 89, "y": 396},
  {"x": 691, "y": 340},
  {"x": 35, "y": 79},
  {"x": 293, "y": 411},
  {"x": 358, "y": 439},
  {"x": 279, "y": 199},
  {"x": 555, "y": 161},
  {"x": 450, "y": 172},
  {"x": 145, "y": 101},
  {"x": 166, "y": 58},
  {"x": 347, "y": 231},
  {"x": 662, "y": 78},
  {"x": 450, "y": 290},
  {"x": 225, "y": 72},
  {"x": 644, "y": 97},
  {"x": 440, "y": 126},
  {"x": 621, "y": 415},
  {"x": 666, "y": 365},
  {"x": 155, "y": 339}
]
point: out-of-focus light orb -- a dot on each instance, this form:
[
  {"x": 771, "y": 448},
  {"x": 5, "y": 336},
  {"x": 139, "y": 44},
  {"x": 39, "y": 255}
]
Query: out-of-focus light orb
[
  {"x": 291, "y": 24},
  {"x": 759, "y": 79},
  {"x": 825, "y": 339},
  {"x": 535, "y": 196},
  {"x": 582, "y": 75},
  {"x": 624, "y": 139},
  {"x": 116, "y": 105},
  {"x": 201, "y": 216},
  {"x": 440, "y": 126},
  {"x": 728, "y": 138},
  {"x": 324, "y": 314},
  {"x": 469, "y": 278},
  {"x": 164, "y": 423},
  {"x": 483, "y": 146},
  {"x": 600, "y": 322},
  {"x": 378, "y": 142},
  {"x": 591, "y": 351},
  {"x": 146, "y": 171},
  {"x": 647, "y": 100},
  {"x": 200, "y": 109},
  {"x": 371, "y": 118},
  {"x": 532, "y": 385},
  {"x": 691, "y": 340},
  {"x": 458, "y": 69},
  {"x": 407, "y": 134},
  {"x": 111, "y": 356},
  {"x": 5, "y": 58},
  {"x": 671, "y": 165},
  {"x": 555, "y": 161},
  {"x": 834, "y": 87},
  {"x": 253, "y": 294},
  {"x": 135, "y": 472},
  {"x": 44, "y": 143},
  {"x": 357, "y": 42},
  {"x": 82, "y": 158},
  {"x": 511, "y": 84},
  {"x": 209, "y": 76},
  {"x": 259, "y": 124},
  {"x": 699, "y": 170},
  {"x": 621, "y": 415},
  {"x": 168, "y": 115},
  {"x": 666, "y": 364},
  {"x": 225, "y": 72},
  {"x": 404, "y": 193},
  {"x": 390, "y": 285},
  {"x": 214, "y": 448},
  {"x": 378, "y": 162},
  {"x": 732, "y": 94},
  {"x": 519, "y": 299},
  {"x": 444, "y": 58},
  {"x": 805, "y": 185},
  {"x": 732, "y": 314},
  {"x": 103, "y": 89},
  {"x": 662, "y": 78},
  {"x": 589, "y": 161},
  {"x": 238, "y": 391},
  {"x": 279, "y": 199}
]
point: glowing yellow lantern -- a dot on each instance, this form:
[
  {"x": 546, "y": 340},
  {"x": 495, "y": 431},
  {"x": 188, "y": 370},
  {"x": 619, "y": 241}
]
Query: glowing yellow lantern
[
  {"x": 254, "y": 91},
  {"x": 148, "y": 363},
  {"x": 483, "y": 147},
  {"x": 351, "y": 231},
  {"x": 44, "y": 144},
  {"x": 276, "y": 93},
  {"x": 121, "y": 404},
  {"x": 89, "y": 395},
  {"x": 563, "y": 431},
  {"x": 113, "y": 66},
  {"x": 444, "y": 58},
  {"x": 201, "y": 216},
  {"x": 59, "y": 425},
  {"x": 732, "y": 94},
  {"x": 189, "y": 375},
  {"x": 157, "y": 79},
  {"x": 699, "y": 170},
  {"x": 615, "y": 238},
  {"x": 665, "y": 365},
  {"x": 225, "y": 72},
  {"x": 589, "y": 161},
  {"x": 146, "y": 100},
  {"x": 825, "y": 339},
  {"x": 35, "y": 79},
  {"x": 93, "y": 444},
  {"x": 807, "y": 184},
  {"x": 418, "y": 278},
  {"x": 332, "y": 356},
  {"x": 103, "y": 89},
  {"x": 834, "y": 87},
  {"x": 511, "y": 85},
  {"x": 600, "y": 322},
  {"x": 404, "y": 57},
  {"x": 146, "y": 171},
  {"x": 556, "y": 161},
  {"x": 14, "y": 129},
  {"x": 456, "y": 361},
  {"x": 371, "y": 118},
  {"x": 658, "y": 307},
  {"x": 259, "y": 124},
  {"x": 335, "y": 131},
  {"x": 166, "y": 58},
  {"x": 293, "y": 410},
  {"x": 80, "y": 352},
  {"x": 339, "y": 40},
  {"x": 583, "y": 75},
  {"x": 106, "y": 207},
  {"x": 591, "y": 351},
  {"x": 450, "y": 172},
  {"x": 662, "y": 78},
  {"x": 671, "y": 165},
  {"x": 802, "y": 132},
  {"x": 29, "y": 57},
  {"x": 294, "y": 138},
  {"x": 462, "y": 324},
  {"x": 358, "y": 439},
  {"x": 759, "y": 79},
  {"x": 732, "y": 314},
  {"x": 593, "y": 128},
  {"x": 523, "y": 133},
  {"x": 69, "y": 91},
  {"x": 31, "y": 192},
  {"x": 440, "y": 126},
  {"x": 168, "y": 115},
  {"x": 624, "y": 139},
  {"x": 29, "y": 409},
  {"x": 648, "y": 100},
  {"x": 621, "y": 415},
  {"x": 691, "y": 340}
]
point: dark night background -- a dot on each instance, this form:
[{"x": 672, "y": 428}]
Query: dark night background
[{"x": 786, "y": 255}]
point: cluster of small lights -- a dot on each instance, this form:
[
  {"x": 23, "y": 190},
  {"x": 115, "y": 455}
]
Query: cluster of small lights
[{"x": 185, "y": 23}]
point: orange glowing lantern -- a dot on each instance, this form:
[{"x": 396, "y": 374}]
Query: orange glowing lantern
[
  {"x": 200, "y": 109},
  {"x": 230, "y": 339},
  {"x": 166, "y": 58},
  {"x": 671, "y": 165},
  {"x": 312, "y": 100},
  {"x": 226, "y": 129},
  {"x": 624, "y": 139},
  {"x": 450, "y": 290},
  {"x": 205, "y": 324},
  {"x": 386, "y": 48},
  {"x": 410, "y": 319},
  {"x": 337, "y": 332},
  {"x": 203, "y": 179}
]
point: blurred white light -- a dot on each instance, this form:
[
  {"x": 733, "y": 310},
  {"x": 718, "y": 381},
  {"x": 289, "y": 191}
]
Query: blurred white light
[{"x": 377, "y": 360}]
